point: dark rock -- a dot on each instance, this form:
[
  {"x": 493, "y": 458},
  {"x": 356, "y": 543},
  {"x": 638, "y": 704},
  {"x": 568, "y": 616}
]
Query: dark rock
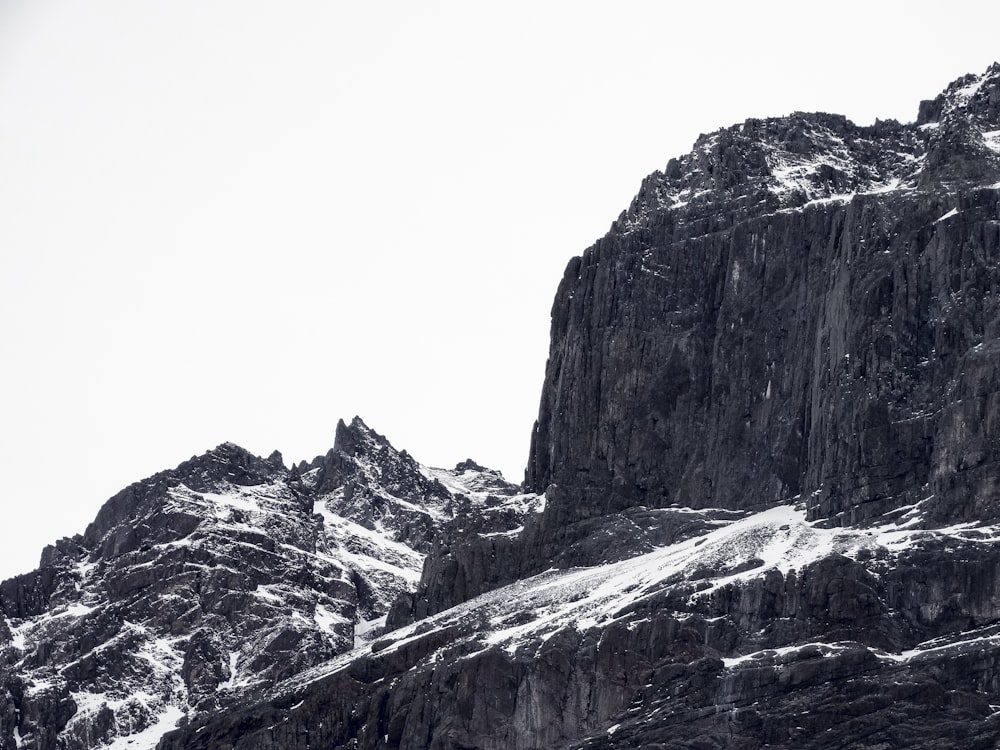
[{"x": 204, "y": 585}]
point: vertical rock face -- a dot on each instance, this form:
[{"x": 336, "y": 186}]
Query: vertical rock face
[{"x": 797, "y": 306}]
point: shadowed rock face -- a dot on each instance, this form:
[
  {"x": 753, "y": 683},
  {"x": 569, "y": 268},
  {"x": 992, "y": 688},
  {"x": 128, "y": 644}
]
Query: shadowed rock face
[
  {"x": 794, "y": 307},
  {"x": 826, "y": 351}
]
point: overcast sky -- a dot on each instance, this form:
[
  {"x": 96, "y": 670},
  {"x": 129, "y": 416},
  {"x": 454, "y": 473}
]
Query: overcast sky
[{"x": 241, "y": 221}]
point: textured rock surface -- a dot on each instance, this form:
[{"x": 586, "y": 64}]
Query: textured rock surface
[
  {"x": 767, "y": 631},
  {"x": 800, "y": 306},
  {"x": 201, "y": 586},
  {"x": 792, "y": 307}
]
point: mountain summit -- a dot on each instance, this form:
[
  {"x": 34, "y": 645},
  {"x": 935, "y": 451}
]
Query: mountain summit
[
  {"x": 197, "y": 589},
  {"x": 761, "y": 508}
]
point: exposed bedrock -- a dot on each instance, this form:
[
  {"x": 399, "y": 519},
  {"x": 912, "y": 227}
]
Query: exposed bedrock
[
  {"x": 828, "y": 350},
  {"x": 825, "y": 663}
]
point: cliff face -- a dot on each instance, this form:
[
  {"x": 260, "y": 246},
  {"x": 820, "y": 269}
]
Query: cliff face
[
  {"x": 799, "y": 306},
  {"x": 824, "y": 351}
]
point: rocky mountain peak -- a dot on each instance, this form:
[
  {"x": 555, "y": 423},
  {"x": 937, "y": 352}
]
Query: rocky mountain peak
[
  {"x": 762, "y": 165},
  {"x": 789, "y": 201},
  {"x": 118, "y": 527},
  {"x": 357, "y": 438},
  {"x": 468, "y": 465},
  {"x": 228, "y": 463},
  {"x": 975, "y": 96},
  {"x": 203, "y": 585},
  {"x": 362, "y": 456},
  {"x": 962, "y": 130},
  {"x": 768, "y": 440}
]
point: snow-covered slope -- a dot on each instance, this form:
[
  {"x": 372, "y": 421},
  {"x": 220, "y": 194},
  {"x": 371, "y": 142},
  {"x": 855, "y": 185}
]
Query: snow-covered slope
[
  {"x": 637, "y": 623},
  {"x": 525, "y": 614}
]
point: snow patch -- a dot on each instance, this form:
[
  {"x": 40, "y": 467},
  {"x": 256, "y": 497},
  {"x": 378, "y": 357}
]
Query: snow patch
[
  {"x": 149, "y": 737},
  {"x": 327, "y": 620},
  {"x": 364, "y": 563},
  {"x": 88, "y": 703},
  {"x": 85, "y": 568},
  {"x": 365, "y": 630},
  {"x": 989, "y": 640},
  {"x": 776, "y": 654},
  {"x": 509, "y": 533},
  {"x": 339, "y": 527},
  {"x": 18, "y": 635},
  {"x": 234, "y": 658},
  {"x": 965, "y": 93},
  {"x": 264, "y": 591}
]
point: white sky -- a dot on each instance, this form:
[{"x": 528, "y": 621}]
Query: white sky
[{"x": 241, "y": 221}]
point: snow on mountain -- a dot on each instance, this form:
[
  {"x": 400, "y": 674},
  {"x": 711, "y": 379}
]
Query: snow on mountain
[
  {"x": 525, "y": 614},
  {"x": 798, "y": 308},
  {"x": 805, "y": 158},
  {"x": 203, "y": 585},
  {"x": 538, "y": 630}
]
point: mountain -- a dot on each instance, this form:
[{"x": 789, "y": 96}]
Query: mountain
[
  {"x": 761, "y": 505},
  {"x": 196, "y": 589}
]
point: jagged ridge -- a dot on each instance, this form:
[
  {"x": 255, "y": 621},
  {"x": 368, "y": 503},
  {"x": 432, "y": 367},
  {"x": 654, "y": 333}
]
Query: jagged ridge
[{"x": 199, "y": 587}]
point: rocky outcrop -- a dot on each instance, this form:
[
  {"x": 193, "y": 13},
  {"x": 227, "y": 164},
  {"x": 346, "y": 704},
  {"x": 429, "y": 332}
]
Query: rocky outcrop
[
  {"x": 202, "y": 586},
  {"x": 787, "y": 309},
  {"x": 799, "y": 306}
]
